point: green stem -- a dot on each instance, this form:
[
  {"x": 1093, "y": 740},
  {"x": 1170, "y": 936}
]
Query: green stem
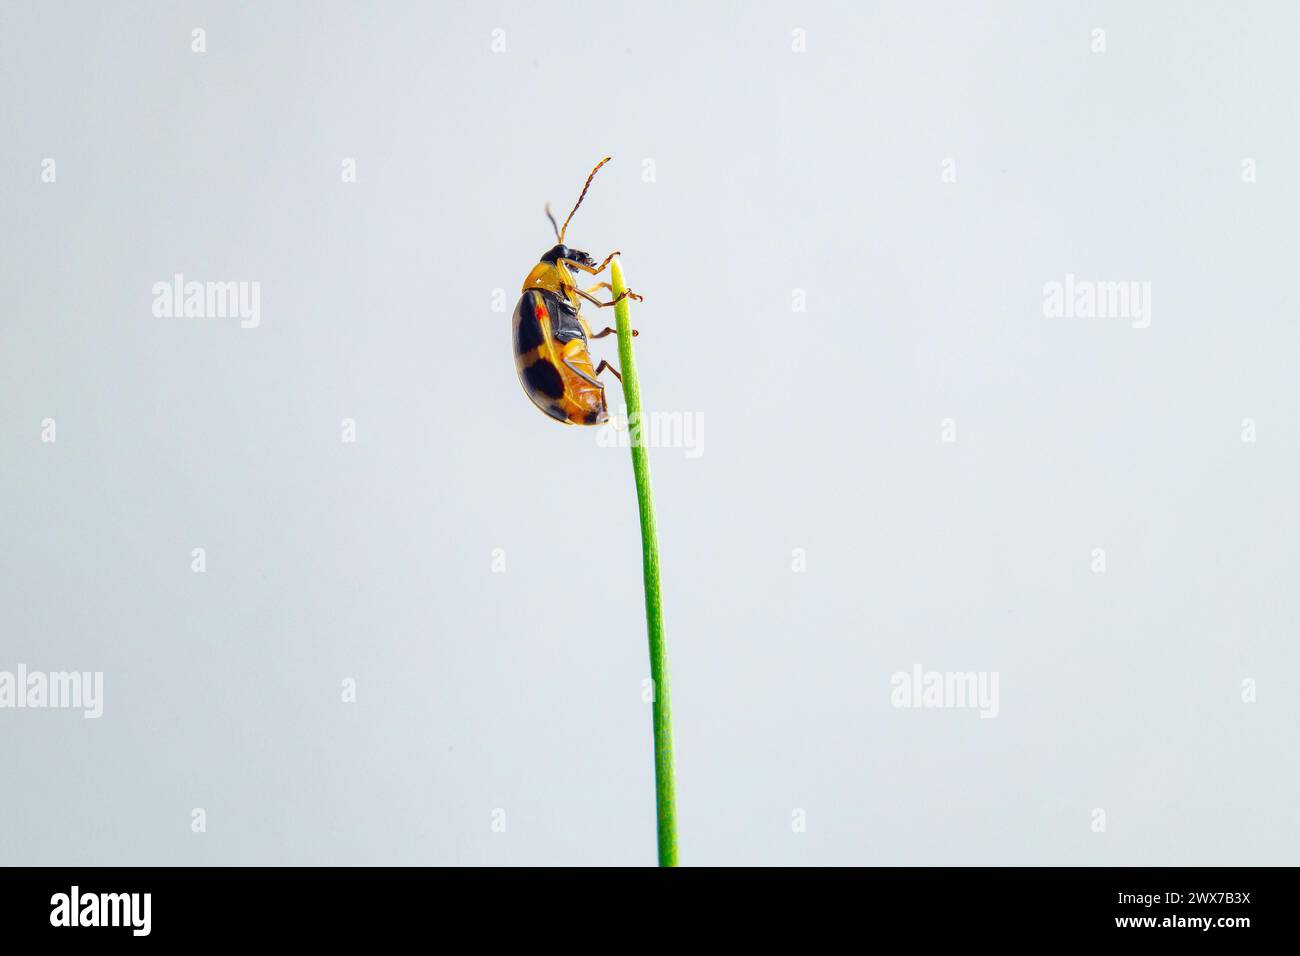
[{"x": 665, "y": 799}]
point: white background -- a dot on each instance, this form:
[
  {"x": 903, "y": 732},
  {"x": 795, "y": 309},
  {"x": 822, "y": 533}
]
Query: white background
[{"x": 774, "y": 171}]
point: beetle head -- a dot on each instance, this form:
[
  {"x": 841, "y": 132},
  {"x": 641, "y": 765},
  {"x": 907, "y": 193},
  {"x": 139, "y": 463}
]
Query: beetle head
[{"x": 561, "y": 251}]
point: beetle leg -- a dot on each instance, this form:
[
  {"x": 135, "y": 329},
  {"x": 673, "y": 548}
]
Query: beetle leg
[
  {"x": 583, "y": 375},
  {"x": 605, "y": 365},
  {"x": 608, "y": 331},
  {"x": 602, "y": 333},
  {"x": 626, "y": 294}
]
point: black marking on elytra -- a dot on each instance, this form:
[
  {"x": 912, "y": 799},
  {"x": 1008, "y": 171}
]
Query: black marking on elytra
[
  {"x": 557, "y": 412},
  {"x": 544, "y": 378},
  {"x": 529, "y": 334},
  {"x": 592, "y": 417}
]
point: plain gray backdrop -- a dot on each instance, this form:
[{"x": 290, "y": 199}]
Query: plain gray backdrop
[{"x": 749, "y": 177}]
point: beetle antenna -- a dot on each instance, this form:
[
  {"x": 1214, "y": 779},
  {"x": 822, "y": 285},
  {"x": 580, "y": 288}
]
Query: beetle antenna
[
  {"x": 585, "y": 187},
  {"x": 554, "y": 224}
]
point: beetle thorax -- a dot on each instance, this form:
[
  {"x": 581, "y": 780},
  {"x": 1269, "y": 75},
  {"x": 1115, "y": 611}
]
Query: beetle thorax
[{"x": 550, "y": 277}]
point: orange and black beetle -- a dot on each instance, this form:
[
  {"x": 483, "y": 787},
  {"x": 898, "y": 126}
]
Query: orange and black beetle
[{"x": 550, "y": 336}]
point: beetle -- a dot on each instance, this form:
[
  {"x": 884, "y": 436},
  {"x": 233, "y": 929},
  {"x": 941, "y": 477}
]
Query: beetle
[{"x": 551, "y": 336}]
